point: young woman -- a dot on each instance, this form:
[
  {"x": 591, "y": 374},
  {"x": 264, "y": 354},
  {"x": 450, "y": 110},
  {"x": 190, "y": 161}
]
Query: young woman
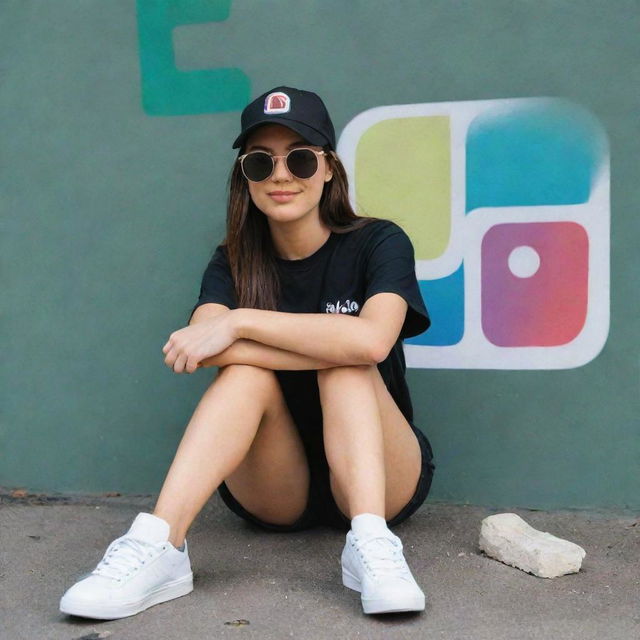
[{"x": 303, "y": 310}]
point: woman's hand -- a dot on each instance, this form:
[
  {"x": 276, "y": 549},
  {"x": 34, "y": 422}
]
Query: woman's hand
[{"x": 187, "y": 347}]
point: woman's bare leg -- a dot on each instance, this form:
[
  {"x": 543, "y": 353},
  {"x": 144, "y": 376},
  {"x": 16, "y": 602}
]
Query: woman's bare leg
[
  {"x": 241, "y": 416},
  {"x": 371, "y": 449}
]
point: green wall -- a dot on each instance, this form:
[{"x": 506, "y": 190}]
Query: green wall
[{"x": 113, "y": 177}]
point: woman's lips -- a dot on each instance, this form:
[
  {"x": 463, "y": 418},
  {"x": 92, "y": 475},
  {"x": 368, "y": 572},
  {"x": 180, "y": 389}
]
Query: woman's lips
[{"x": 283, "y": 196}]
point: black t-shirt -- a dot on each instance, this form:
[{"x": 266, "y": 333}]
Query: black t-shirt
[{"x": 339, "y": 277}]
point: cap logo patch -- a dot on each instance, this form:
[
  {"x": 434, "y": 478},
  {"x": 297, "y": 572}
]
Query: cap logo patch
[{"x": 277, "y": 102}]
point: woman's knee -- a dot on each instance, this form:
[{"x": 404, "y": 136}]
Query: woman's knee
[
  {"x": 259, "y": 382},
  {"x": 248, "y": 373},
  {"x": 345, "y": 373}
]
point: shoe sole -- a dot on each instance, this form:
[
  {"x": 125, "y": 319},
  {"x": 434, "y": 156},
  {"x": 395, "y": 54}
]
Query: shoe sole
[
  {"x": 383, "y": 605},
  {"x": 99, "y": 611}
]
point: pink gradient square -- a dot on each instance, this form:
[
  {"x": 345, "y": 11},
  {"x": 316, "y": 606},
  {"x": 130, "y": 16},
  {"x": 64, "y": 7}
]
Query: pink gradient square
[{"x": 547, "y": 308}]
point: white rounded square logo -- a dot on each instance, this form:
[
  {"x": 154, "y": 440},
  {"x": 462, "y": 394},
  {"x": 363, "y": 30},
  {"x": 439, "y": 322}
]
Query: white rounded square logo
[{"x": 507, "y": 205}]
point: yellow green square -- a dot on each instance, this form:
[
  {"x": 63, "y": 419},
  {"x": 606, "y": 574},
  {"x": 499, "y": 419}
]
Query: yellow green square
[{"x": 403, "y": 173}]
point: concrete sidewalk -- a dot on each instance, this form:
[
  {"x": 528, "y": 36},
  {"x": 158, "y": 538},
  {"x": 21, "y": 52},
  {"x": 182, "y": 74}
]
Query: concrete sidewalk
[{"x": 289, "y": 585}]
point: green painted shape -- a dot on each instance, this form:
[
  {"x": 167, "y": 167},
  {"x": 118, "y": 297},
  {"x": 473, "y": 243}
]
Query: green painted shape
[
  {"x": 403, "y": 172},
  {"x": 166, "y": 91}
]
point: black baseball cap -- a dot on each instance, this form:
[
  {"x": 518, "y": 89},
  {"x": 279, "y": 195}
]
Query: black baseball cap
[{"x": 302, "y": 111}]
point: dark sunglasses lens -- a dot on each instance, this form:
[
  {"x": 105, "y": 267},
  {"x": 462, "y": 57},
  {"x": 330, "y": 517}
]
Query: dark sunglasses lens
[
  {"x": 257, "y": 166},
  {"x": 302, "y": 163}
]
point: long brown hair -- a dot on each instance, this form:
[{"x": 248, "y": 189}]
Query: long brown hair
[{"x": 248, "y": 240}]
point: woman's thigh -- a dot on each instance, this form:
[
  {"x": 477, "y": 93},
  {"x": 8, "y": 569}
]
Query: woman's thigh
[
  {"x": 403, "y": 455},
  {"x": 272, "y": 481}
]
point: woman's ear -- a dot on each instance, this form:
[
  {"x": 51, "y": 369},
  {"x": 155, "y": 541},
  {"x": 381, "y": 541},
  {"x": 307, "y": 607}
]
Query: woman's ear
[{"x": 329, "y": 170}]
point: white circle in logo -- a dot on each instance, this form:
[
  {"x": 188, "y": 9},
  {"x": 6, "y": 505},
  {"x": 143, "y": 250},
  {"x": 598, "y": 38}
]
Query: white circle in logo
[{"x": 524, "y": 262}]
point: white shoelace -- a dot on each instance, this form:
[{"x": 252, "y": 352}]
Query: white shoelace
[
  {"x": 383, "y": 557},
  {"x": 124, "y": 556}
]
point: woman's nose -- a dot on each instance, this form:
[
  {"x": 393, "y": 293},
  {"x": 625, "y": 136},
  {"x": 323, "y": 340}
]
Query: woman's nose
[{"x": 280, "y": 171}]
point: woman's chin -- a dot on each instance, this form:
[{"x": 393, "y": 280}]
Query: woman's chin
[{"x": 282, "y": 214}]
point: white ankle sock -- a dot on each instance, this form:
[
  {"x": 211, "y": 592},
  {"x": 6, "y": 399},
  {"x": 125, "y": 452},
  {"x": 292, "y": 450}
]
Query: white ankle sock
[{"x": 367, "y": 524}]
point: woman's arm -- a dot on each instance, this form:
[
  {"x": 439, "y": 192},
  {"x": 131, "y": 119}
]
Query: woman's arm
[
  {"x": 250, "y": 352},
  {"x": 261, "y": 355},
  {"x": 335, "y": 338},
  {"x": 340, "y": 338}
]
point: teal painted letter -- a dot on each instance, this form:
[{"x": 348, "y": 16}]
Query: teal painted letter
[{"x": 169, "y": 92}]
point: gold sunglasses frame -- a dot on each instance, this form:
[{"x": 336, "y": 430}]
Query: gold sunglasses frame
[{"x": 274, "y": 159}]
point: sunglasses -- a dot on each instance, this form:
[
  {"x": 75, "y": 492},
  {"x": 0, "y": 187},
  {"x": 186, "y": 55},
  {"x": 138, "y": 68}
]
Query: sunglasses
[{"x": 257, "y": 166}]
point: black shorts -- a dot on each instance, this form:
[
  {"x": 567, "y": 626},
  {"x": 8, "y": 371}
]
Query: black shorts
[{"x": 321, "y": 508}]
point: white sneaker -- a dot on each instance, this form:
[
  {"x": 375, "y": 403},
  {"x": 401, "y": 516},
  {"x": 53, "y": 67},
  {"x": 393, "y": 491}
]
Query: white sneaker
[
  {"x": 139, "y": 569},
  {"x": 376, "y": 567}
]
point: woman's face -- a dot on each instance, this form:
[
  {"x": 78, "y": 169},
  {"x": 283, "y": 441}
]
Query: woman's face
[{"x": 282, "y": 197}]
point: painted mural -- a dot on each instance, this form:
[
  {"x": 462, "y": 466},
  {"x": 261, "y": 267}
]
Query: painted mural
[{"x": 507, "y": 205}]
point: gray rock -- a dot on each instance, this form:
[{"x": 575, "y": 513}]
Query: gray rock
[{"x": 508, "y": 538}]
